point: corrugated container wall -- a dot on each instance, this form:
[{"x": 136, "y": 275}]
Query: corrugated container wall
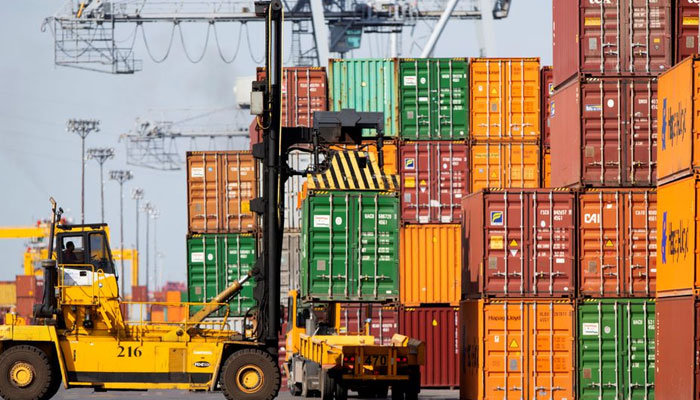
[
  {"x": 214, "y": 262},
  {"x": 678, "y": 268},
  {"x": 298, "y": 161},
  {"x": 617, "y": 243},
  {"x": 617, "y": 115},
  {"x": 437, "y": 328},
  {"x": 383, "y": 320},
  {"x": 349, "y": 249},
  {"x": 546, "y": 169},
  {"x": 434, "y": 98},
  {"x": 679, "y": 152},
  {"x": 616, "y": 349},
  {"x": 220, "y": 185},
  {"x": 304, "y": 91},
  {"x": 526, "y": 346},
  {"x": 546, "y": 92},
  {"x": 686, "y": 33},
  {"x": 390, "y": 151},
  {"x": 366, "y": 85},
  {"x": 677, "y": 348},
  {"x": 505, "y": 99},
  {"x": 504, "y": 165},
  {"x": 519, "y": 243},
  {"x": 289, "y": 266},
  {"x": 434, "y": 179},
  {"x": 611, "y": 37},
  {"x": 431, "y": 260}
]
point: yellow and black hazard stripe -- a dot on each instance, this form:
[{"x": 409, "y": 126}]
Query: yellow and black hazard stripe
[{"x": 353, "y": 170}]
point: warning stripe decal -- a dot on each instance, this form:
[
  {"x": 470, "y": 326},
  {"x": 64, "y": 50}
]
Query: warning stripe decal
[{"x": 346, "y": 173}]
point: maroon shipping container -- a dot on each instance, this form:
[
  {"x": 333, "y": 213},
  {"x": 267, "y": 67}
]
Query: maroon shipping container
[
  {"x": 437, "y": 327},
  {"x": 26, "y": 285},
  {"x": 611, "y": 37},
  {"x": 519, "y": 243},
  {"x": 139, "y": 293},
  {"x": 383, "y": 324},
  {"x": 304, "y": 90},
  {"x": 546, "y": 91},
  {"x": 617, "y": 115},
  {"x": 617, "y": 243},
  {"x": 434, "y": 179},
  {"x": 686, "y": 33},
  {"x": 677, "y": 348}
]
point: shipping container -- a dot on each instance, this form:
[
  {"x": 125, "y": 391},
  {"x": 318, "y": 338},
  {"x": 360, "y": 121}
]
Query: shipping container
[
  {"x": 431, "y": 263},
  {"x": 289, "y": 266},
  {"x": 349, "y": 249},
  {"x": 504, "y": 165},
  {"x": 434, "y": 179},
  {"x": 298, "y": 161},
  {"x": 389, "y": 151},
  {"x": 434, "y": 98},
  {"x": 679, "y": 153},
  {"x": 366, "y": 84},
  {"x": 611, "y": 37},
  {"x": 304, "y": 91},
  {"x": 686, "y": 32},
  {"x": 516, "y": 349},
  {"x": 678, "y": 267},
  {"x": 616, "y": 349},
  {"x": 383, "y": 320},
  {"x": 546, "y": 92},
  {"x": 519, "y": 243},
  {"x": 546, "y": 168},
  {"x": 617, "y": 242},
  {"x": 604, "y": 132},
  {"x": 214, "y": 261},
  {"x": 437, "y": 328},
  {"x": 505, "y": 99},
  {"x": 26, "y": 285},
  {"x": 8, "y": 293},
  {"x": 677, "y": 348},
  {"x": 139, "y": 293},
  {"x": 220, "y": 185}
]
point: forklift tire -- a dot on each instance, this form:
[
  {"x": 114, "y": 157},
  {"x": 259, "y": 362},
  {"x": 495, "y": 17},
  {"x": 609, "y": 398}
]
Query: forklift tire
[
  {"x": 327, "y": 386},
  {"x": 250, "y": 374},
  {"x": 26, "y": 373},
  {"x": 382, "y": 392},
  {"x": 56, "y": 381}
]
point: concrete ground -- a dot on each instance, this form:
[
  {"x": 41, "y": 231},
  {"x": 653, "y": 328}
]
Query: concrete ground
[{"x": 76, "y": 394}]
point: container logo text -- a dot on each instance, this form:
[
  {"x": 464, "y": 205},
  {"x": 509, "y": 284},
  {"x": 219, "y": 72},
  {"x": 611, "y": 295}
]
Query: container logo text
[
  {"x": 496, "y": 217},
  {"x": 673, "y": 241},
  {"x": 673, "y": 122}
]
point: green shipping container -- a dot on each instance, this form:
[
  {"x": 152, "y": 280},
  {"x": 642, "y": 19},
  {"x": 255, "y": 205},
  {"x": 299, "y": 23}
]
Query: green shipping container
[
  {"x": 434, "y": 98},
  {"x": 365, "y": 85},
  {"x": 214, "y": 261},
  {"x": 350, "y": 246},
  {"x": 616, "y": 349}
]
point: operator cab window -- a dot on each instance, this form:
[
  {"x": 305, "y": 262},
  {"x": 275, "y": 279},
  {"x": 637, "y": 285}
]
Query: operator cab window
[
  {"x": 99, "y": 253},
  {"x": 72, "y": 251}
]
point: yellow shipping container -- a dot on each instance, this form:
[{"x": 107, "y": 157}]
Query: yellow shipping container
[
  {"x": 678, "y": 153},
  {"x": 504, "y": 165},
  {"x": 677, "y": 241},
  {"x": 8, "y": 293},
  {"x": 431, "y": 264},
  {"x": 526, "y": 346},
  {"x": 505, "y": 98}
]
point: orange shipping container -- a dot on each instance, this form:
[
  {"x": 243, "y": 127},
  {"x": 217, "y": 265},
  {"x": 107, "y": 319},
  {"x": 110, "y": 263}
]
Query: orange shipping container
[
  {"x": 617, "y": 243},
  {"x": 504, "y": 165},
  {"x": 505, "y": 99},
  {"x": 546, "y": 169},
  {"x": 678, "y": 241},
  {"x": 389, "y": 150},
  {"x": 157, "y": 316},
  {"x": 220, "y": 185},
  {"x": 431, "y": 262},
  {"x": 679, "y": 151},
  {"x": 516, "y": 349}
]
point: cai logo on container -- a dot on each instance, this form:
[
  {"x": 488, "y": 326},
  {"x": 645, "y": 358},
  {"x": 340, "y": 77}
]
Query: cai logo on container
[{"x": 496, "y": 217}]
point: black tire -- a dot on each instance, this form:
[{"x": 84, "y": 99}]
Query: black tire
[
  {"x": 365, "y": 394},
  {"x": 56, "y": 381},
  {"x": 413, "y": 387},
  {"x": 250, "y": 374},
  {"x": 397, "y": 393},
  {"x": 382, "y": 392},
  {"x": 341, "y": 392},
  {"x": 327, "y": 386},
  {"x": 23, "y": 360}
]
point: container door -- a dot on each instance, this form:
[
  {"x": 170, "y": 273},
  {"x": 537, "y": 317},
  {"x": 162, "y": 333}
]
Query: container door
[
  {"x": 601, "y": 241},
  {"x": 522, "y": 99},
  {"x": 238, "y": 186},
  {"x": 504, "y": 352},
  {"x": 687, "y": 23},
  {"x": 415, "y": 93},
  {"x": 238, "y": 253},
  {"x": 550, "y": 351},
  {"x": 640, "y": 263},
  {"x": 648, "y": 42},
  {"x": 203, "y": 192},
  {"x": 451, "y": 181},
  {"x": 598, "y": 350},
  {"x": 451, "y": 97},
  {"x": 417, "y": 172},
  {"x": 601, "y": 32},
  {"x": 641, "y": 133},
  {"x": 486, "y": 104},
  {"x": 552, "y": 244},
  {"x": 638, "y": 347},
  {"x": 202, "y": 269}
]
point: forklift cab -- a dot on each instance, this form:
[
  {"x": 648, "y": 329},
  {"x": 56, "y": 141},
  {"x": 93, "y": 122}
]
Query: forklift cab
[
  {"x": 316, "y": 319},
  {"x": 82, "y": 251}
]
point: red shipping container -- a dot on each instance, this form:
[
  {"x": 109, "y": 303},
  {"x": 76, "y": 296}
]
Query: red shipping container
[
  {"x": 437, "y": 328},
  {"x": 519, "y": 243},
  {"x": 26, "y": 285},
  {"x": 25, "y": 307},
  {"x": 677, "y": 348},
  {"x": 304, "y": 90},
  {"x": 617, "y": 115},
  {"x": 546, "y": 91},
  {"x": 611, "y": 37},
  {"x": 434, "y": 179},
  {"x": 384, "y": 320},
  {"x": 139, "y": 293},
  {"x": 255, "y": 133},
  {"x": 686, "y": 33},
  {"x": 617, "y": 243}
]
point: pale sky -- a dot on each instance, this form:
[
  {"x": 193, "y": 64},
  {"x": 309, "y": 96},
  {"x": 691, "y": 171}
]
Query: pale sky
[{"x": 40, "y": 159}]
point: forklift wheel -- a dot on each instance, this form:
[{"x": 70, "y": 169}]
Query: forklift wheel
[
  {"x": 250, "y": 374},
  {"x": 327, "y": 386},
  {"x": 26, "y": 374}
]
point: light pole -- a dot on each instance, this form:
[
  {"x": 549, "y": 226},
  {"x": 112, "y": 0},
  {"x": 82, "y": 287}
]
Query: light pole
[
  {"x": 82, "y": 127},
  {"x": 155, "y": 214},
  {"x": 146, "y": 209},
  {"x": 137, "y": 194},
  {"x": 101, "y": 155},
  {"x": 121, "y": 176}
]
